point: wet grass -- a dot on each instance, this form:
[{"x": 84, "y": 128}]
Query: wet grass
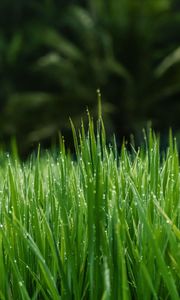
[{"x": 105, "y": 225}]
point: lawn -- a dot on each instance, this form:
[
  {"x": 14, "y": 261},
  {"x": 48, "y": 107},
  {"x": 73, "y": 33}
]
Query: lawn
[{"x": 101, "y": 224}]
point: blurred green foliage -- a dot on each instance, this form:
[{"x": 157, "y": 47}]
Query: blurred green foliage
[{"x": 55, "y": 54}]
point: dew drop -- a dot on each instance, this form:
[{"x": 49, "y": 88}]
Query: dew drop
[{"x": 20, "y": 283}]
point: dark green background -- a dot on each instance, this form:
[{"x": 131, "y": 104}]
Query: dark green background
[{"x": 55, "y": 54}]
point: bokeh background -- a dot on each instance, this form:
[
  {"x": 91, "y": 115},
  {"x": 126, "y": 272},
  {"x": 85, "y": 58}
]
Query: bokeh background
[{"x": 54, "y": 54}]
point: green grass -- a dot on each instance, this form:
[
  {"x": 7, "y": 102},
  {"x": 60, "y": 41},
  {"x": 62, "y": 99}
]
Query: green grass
[{"x": 104, "y": 225}]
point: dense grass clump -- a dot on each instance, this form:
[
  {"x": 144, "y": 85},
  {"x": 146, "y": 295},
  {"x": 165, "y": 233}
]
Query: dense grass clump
[{"x": 105, "y": 225}]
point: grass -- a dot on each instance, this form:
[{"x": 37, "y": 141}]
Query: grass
[{"x": 105, "y": 225}]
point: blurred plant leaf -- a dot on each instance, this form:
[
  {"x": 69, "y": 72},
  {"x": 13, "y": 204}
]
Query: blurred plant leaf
[
  {"x": 28, "y": 100},
  {"x": 168, "y": 62},
  {"x": 14, "y": 48}
]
